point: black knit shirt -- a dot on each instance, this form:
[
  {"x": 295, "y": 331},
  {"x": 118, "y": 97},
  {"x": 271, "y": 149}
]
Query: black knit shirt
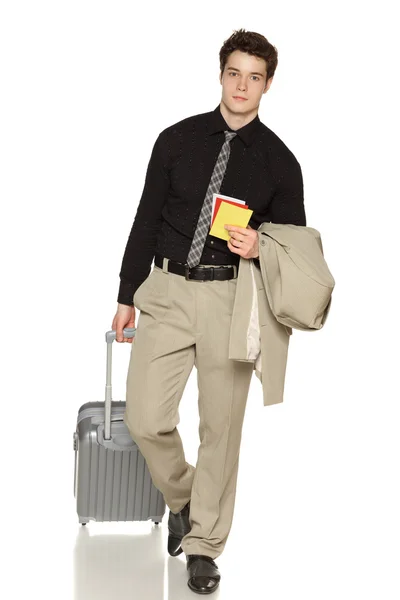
[{"x": 261, "y": 170}]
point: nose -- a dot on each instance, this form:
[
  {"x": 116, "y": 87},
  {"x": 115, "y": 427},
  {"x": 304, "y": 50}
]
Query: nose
[{"x": 242, "y": 85}]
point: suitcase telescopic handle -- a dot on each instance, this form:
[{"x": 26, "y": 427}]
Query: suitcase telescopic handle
[{"x": 128, "y": 332}]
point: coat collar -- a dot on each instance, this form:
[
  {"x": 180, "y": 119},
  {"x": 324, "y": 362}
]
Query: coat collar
[{"x": 246, "y": 133}]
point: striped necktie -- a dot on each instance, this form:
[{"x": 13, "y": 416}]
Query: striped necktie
[{"x": 203, "y": 224}]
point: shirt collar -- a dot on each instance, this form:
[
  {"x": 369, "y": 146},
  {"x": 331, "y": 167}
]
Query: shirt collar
[{"x": 246, "y": 133}]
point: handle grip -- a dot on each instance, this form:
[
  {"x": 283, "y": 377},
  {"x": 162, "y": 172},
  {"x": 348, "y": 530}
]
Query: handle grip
[{"x": 129, "y": 332}]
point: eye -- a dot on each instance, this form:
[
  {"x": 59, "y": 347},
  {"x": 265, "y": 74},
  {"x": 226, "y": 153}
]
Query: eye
[{"x": 234, "y": 73}]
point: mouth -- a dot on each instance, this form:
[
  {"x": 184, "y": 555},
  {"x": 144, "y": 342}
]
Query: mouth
[{"x": 239, "y": 98}]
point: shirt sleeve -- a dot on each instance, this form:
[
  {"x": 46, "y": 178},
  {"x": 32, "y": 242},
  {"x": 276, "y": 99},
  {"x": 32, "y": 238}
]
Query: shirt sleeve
[
  {"x": 287, "y": 204},
  {"x": 142, "y": 240}
]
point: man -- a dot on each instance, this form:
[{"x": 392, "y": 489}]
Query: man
[{"x": 187, "y": 299}]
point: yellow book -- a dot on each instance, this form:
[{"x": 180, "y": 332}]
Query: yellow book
[{"x": 229, "y": 214}]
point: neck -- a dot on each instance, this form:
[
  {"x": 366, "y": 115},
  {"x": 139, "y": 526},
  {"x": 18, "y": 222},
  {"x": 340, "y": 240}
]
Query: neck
[{"x": 235, "y": 120}]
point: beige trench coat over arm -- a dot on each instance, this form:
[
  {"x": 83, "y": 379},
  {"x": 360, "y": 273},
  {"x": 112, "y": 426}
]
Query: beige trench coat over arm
[{"x": 292, "y": 288}]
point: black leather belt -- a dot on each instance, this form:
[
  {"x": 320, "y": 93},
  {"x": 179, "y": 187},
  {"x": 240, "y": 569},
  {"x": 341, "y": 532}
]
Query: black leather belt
[{"x": 198, "y": 273}]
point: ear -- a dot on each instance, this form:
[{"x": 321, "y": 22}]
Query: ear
[{"x": 268, "y": 84}]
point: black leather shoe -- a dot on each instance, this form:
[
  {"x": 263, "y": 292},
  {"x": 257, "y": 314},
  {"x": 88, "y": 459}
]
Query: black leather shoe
[
  {"x": 178, "y": 527},
  {"x": 204, "y": 576}
]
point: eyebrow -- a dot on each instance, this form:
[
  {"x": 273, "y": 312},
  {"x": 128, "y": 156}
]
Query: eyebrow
[{"x": 253, "y": 73}]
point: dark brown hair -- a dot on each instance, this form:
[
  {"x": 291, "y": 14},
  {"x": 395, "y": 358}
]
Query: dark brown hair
[{"x": 253, "y": 43}]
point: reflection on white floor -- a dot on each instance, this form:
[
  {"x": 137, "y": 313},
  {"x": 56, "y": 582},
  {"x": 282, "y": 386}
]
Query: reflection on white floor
[
  {"x": 121, "y": 565},
  {"x": 112, "y": 564}
]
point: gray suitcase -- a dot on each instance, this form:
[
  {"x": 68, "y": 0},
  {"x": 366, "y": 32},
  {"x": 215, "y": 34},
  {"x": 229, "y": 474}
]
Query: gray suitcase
[{"x": 111, "y": 479}]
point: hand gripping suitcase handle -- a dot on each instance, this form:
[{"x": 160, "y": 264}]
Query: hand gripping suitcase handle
[{"x": 128, "y": 332}]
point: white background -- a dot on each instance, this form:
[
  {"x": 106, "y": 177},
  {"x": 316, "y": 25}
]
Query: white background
[{"x": 86, "y": 88}]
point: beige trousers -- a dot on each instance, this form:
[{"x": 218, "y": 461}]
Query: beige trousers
[{"x": 184, "y": 323}]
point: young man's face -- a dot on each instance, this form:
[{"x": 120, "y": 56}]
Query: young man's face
[{"x": 246, "y": 76}]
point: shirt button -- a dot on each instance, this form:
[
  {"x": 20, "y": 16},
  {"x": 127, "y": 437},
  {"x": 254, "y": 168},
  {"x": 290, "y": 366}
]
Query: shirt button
[
  {"x": 212, "y": 255},
  {"x": 212, "y": 241}
]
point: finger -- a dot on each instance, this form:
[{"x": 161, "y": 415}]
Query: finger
[
  {"x": 241, "y": 237},
  {"x": 235, "y": 229},
  {"x": 238, "y": 241},
  {"x": 243, "y": 231},
  {"x": 233, "y": 248}
]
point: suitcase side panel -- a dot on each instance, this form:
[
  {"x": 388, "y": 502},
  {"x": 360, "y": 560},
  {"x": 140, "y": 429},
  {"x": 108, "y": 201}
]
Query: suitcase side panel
[{"x": 112, "y": 484}]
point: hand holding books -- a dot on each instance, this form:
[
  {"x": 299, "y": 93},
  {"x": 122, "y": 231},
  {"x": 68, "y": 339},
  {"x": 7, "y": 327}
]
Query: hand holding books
[
  {"x": 228, "y": 210},
  {"x": 231, "y": 216}
]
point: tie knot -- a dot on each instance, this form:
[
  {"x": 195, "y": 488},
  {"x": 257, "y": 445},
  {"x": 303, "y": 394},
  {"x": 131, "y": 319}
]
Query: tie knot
[{"x": 229, "y": 135}]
